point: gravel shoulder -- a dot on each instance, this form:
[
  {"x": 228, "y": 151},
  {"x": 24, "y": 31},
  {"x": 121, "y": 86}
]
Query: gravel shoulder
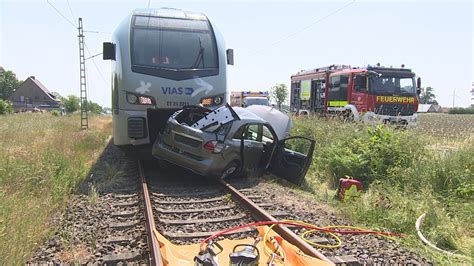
[{"x": 103, "y": 222}]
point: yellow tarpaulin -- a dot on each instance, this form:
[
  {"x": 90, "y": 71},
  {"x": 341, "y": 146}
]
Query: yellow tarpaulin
[{"x": 184, "y": 254}]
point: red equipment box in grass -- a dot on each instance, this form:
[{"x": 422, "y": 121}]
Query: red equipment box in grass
[{"x": 348, "y": 187}]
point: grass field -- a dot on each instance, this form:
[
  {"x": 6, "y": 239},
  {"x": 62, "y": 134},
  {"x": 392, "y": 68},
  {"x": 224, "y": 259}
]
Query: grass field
[
  {"x": 405, "y": 173},
  {"x": 42, "y": 160},
  {"x": 446, "y": 127}
]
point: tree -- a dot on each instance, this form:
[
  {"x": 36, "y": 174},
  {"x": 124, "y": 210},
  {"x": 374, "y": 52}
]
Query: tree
[
  {"x": 8, "y": 83},
  {"x": 279, "y": 93},
  {"x": 57, "y": 96},
  {"x": 95, "y": 108},
  {"x": 5, "y": 107},
  {"x": 72, "y": 103},
  {"x": 427, "y": 96}
]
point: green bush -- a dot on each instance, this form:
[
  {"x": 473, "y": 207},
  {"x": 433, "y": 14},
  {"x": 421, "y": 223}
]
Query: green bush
[
  {"x": 460, "y": 110},
  {"x": 5, "y": 107},
  {"x": 55, "y": 113},
  {"x": 371, "y": 155}
]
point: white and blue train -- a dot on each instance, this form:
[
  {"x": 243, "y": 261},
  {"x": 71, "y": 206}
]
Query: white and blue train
[{"x": 163, "y": 59}]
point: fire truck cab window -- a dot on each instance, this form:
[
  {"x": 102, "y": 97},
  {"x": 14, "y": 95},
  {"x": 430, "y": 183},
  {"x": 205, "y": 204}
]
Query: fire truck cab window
[
  {"x": 338, "y": 88},
  {"x": 360, "y": 83}
]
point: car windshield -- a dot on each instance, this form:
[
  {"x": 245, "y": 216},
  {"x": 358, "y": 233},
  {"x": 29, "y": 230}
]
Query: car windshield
[
  {"x": 173, "y": 43},
  {"x": 255, "y": 101},
  {"x": 390, "y": 85}
]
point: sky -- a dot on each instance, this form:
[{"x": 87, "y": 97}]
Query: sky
[{"x": 271, "y": 40}]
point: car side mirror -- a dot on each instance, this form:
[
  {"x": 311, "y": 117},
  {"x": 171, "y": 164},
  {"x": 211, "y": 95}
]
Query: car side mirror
[
  {"x": 230, "y": 56},
  {"x": 108, "y": 51},
  {"x": 418, "y": 83}
]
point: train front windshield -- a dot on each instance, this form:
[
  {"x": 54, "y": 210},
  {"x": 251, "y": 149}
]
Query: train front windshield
[{"x": 173, "y": 44}]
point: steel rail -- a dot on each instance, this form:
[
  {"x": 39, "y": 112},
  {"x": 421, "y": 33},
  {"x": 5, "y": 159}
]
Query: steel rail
[
  {"x": 282, "y": 230},
  {"x": 153, "y": 244}
]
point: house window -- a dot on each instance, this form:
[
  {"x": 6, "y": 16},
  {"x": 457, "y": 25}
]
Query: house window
[{"x": 22, "y": 98}]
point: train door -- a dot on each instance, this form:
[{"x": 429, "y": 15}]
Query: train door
[{"x": 359, "y": 96}]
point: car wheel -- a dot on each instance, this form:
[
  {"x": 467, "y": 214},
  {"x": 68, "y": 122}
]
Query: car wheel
[{"x": 231, "y": 170}]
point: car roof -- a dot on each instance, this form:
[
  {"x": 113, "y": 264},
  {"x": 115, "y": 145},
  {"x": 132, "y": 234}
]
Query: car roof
[
  {"x": 279, "y": 121},
  {"x": 246, "y": 115}
]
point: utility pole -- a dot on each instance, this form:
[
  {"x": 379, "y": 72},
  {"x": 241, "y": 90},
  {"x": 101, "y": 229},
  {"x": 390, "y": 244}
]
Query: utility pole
[
  {"x": 472, "y": 93},
  {"x": 454, "y": 96},
  {"x": 82, "y": 78}
]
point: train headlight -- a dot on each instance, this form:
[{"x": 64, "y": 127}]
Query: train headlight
[
  {"x": 218, "y": 100},
  {"x": 206, "y": 101},
  {"x": 139, "y": 99},
  {"x": 132, "y": 98},
  {"x": 145, "y": 100},
  {"x": 214, "y": 100}
]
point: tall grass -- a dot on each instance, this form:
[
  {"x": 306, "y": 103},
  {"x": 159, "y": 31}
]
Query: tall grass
[
  {"x": 402, "y": 176},
  {"x": 42, "y": 160}
]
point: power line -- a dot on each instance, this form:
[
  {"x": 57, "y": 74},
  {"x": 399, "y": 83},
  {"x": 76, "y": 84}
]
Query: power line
[
  {"x": 70, "y": 9},
  {"x": 87, "y": 48},
  {"x": 90, "y": 57},
  {"x": 307, "y": 27},
  {"x": 99, "y": 32},
  {"x": 61, "y": 14},
  {"x": 93, "y": 61}
]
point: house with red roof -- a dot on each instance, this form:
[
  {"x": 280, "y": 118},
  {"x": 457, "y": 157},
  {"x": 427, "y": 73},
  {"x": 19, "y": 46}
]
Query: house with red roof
[{"x": 33, "y": 94}]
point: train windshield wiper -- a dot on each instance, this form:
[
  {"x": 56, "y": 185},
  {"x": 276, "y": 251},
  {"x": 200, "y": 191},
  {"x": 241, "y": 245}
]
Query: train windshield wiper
[{"x": 200, "y": 56}]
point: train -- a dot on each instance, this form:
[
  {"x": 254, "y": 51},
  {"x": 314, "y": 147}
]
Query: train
[{"x": 163, "y": 59}]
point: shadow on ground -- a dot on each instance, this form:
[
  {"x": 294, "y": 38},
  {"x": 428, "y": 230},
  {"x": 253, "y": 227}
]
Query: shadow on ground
[{"x": 113, "y": 171}]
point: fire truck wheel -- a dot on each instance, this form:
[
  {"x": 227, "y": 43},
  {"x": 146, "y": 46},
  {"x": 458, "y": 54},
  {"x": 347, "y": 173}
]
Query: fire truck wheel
[{"x": 348, "y": 116}]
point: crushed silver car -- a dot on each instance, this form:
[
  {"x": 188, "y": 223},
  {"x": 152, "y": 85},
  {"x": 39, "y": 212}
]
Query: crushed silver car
[{"x": 234, "y": 142}]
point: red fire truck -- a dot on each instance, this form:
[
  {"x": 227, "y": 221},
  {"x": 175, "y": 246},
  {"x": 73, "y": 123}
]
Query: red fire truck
[{"x": 372, "y": 94}]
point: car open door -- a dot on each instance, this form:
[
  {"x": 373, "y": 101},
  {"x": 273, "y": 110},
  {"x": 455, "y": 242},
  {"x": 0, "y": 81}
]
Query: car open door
[{"x": 291, "y": 158}]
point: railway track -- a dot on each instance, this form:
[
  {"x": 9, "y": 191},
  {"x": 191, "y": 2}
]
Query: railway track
[{"x": 188, "y": 212}]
